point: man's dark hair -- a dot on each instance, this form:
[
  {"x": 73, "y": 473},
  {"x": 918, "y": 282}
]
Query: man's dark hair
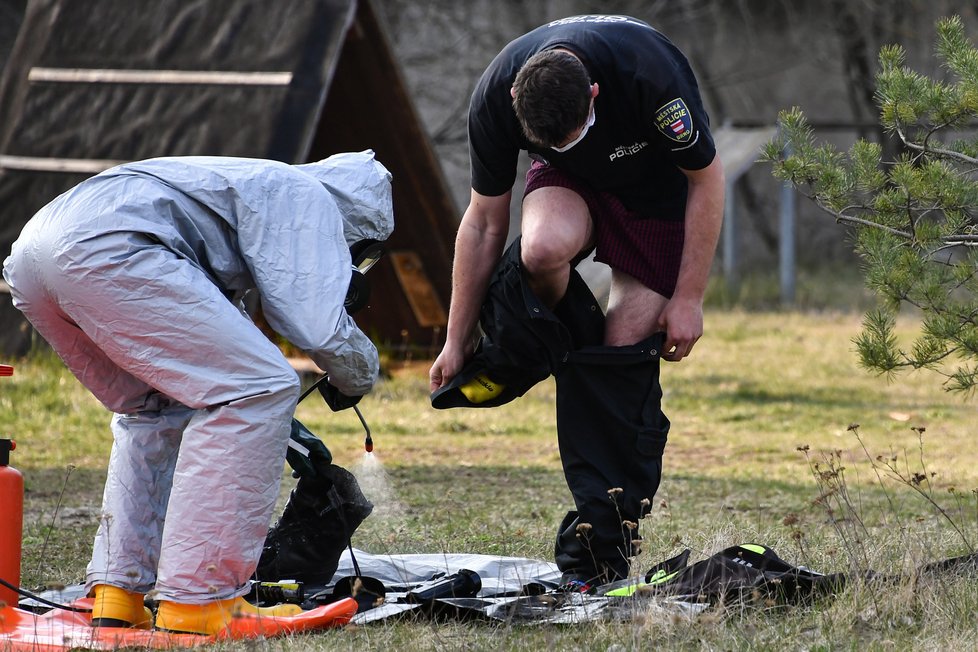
[{"x": 552, "y": 96}]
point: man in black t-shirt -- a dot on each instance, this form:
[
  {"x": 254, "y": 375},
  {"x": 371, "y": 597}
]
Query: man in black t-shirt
[{"x": 624, "y": 164}]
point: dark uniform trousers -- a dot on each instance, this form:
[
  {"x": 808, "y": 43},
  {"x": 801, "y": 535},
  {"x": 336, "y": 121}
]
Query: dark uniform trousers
[{"x": 610, "y": 427}]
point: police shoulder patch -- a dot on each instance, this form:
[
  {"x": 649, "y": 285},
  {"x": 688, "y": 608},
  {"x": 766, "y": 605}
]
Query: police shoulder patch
[{"x": 673, "y": 120}]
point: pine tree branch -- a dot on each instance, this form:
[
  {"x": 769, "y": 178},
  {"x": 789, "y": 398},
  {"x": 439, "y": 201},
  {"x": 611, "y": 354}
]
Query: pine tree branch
[
  {"x": 947, "y": 153},
  {"x": 841, "y": 217},
  {"x": 957, "y": 239}
]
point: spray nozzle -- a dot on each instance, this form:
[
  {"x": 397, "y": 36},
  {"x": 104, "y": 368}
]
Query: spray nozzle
[{"x": 368, "y": 443}]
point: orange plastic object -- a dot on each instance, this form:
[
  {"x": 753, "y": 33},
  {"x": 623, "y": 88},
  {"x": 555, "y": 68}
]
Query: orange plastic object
[
  {"x": 11, "y": 516},
  {"x": 58, "y": 630},
  {"x": 11, "y": 522}
]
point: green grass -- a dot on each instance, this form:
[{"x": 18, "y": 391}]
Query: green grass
[{"x": 763, "y": 449}]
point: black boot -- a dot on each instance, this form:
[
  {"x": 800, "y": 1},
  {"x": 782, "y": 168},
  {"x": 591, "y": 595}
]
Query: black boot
[
  {"x": 320, "y": 517},
  {"x": 576, "y": 554}
]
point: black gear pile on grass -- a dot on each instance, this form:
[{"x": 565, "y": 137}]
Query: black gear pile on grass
[{"x": 319, "y": 519}]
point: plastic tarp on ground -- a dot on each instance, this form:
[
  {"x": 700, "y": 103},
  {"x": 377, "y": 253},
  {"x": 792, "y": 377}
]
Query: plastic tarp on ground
[
  {"x": 499, "y": 575},
  {"x": 525, "y": 591},
  {"x": 511, "y": 589}
]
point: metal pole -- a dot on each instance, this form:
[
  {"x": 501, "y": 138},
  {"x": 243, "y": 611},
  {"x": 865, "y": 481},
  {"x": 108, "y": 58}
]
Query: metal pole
[
  {"x": 786, "y": 243},
  {"x": 730, "y": 238}
]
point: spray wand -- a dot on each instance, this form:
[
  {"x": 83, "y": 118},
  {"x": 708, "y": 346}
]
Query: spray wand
[
  {"x": 368, "y": 443},
  {"x": 336, "y": 402}
]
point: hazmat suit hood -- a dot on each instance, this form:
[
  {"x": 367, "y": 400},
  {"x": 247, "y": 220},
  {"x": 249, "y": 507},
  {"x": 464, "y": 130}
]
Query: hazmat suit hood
[{"x": 361, "y": 187}]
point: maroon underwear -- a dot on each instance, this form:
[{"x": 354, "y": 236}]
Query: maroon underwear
[{"x": 646, "y": 248}]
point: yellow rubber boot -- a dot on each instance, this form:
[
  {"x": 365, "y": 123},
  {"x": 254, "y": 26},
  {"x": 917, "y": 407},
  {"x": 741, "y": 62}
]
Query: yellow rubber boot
[
  {"x": 115, "y": 607},
  {"x": 213, "y": 617},
  {"x": 481, "y": 389}
]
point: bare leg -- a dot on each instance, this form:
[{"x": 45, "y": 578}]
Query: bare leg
[
  {"x": 556, "y": 228},
  {"x": 633, "y": 310}
]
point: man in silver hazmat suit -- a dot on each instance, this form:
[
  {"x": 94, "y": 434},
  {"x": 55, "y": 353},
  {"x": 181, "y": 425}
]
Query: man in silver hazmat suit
[{"x": 135, "y": 278}]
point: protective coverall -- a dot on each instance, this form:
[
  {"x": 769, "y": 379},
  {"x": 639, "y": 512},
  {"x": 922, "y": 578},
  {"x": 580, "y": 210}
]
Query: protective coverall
[{"x": 135, "y": 278}]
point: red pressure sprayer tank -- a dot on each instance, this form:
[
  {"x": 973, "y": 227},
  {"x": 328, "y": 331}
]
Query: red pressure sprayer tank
[{"x": 11, "y": 516}]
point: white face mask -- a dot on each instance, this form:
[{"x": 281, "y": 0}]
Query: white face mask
[{"x": 580, "y": 136}]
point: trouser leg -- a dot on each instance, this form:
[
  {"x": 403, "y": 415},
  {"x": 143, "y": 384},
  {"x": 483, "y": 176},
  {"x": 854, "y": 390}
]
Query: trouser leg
[
  {"x": 524, "y": 341},
  {"x": 611, "y": 432},
  {"x": 225, "y": 485},
  {"x": 144, "y": 453}
]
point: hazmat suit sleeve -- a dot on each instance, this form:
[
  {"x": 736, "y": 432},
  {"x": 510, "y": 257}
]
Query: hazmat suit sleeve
[{"x": 295, "y": 246}]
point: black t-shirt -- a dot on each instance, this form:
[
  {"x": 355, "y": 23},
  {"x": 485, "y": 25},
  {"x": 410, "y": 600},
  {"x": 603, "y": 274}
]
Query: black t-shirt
[{"x": 649, "y": 118}]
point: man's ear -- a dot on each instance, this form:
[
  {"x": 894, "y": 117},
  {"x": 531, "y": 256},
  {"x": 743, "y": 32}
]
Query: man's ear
[
  {"x": 594, "y": 90},
  {"x": 512, "y": 92}
]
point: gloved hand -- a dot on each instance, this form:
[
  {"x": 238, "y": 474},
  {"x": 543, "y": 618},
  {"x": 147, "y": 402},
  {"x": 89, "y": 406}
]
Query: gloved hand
[
  {"x": 335, "y": 399},
  {"x": 307, "y": 454}
]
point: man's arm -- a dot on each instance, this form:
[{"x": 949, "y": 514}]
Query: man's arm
[
  {"x": 478, "y": 246},
  {"x": 682, "y": 318}
]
